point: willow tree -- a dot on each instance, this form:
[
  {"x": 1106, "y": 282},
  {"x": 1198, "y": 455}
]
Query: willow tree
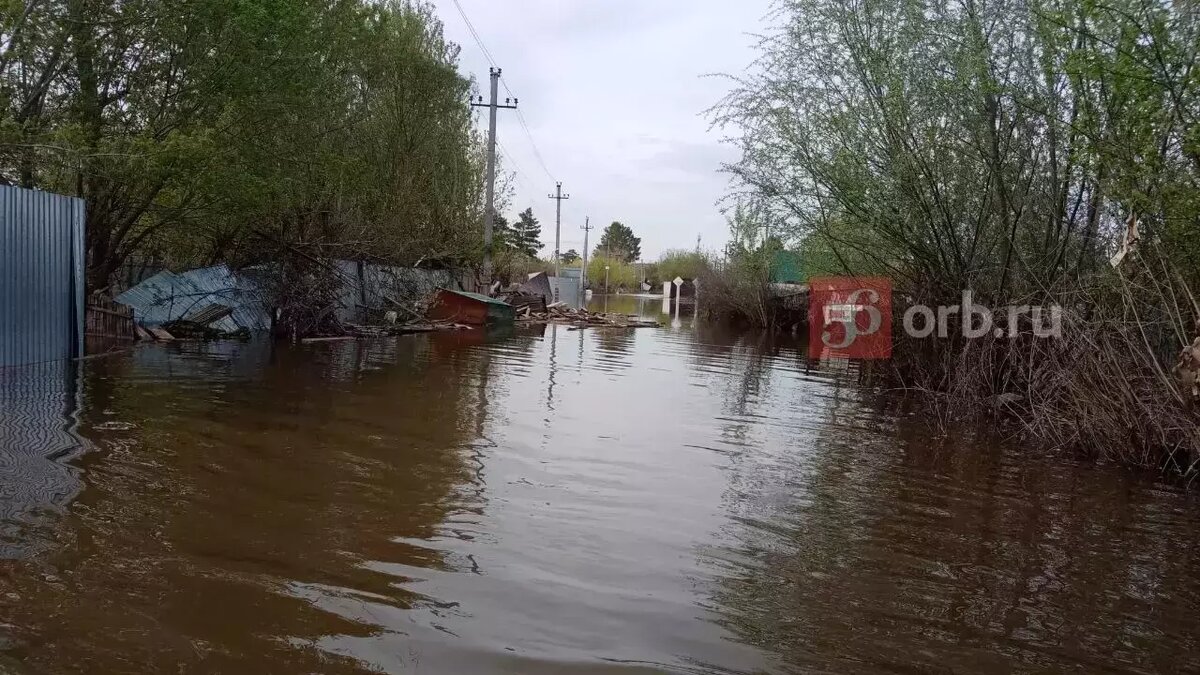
[
  {"x": 1002, "y": 147},
  {"x": 994, "y": 145}
]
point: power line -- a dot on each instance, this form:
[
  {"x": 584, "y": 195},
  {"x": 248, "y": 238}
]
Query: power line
[
  {"x": 475, "y": 34},
  {"x": 513, "y": 161},
  {"x": 528, "y": 133},
  {"x": 520, "y": 116},
  {"x": 518, "y": 171}
]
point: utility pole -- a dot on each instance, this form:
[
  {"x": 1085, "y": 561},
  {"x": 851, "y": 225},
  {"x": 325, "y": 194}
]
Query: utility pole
[
  {"x": 489, "y": 212},
  {"x": 587, "y": 227},
  {"x": 558, "y": 197}
]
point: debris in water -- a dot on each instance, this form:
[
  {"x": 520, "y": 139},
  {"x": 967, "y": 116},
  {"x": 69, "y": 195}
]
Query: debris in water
[{"x": 579, "y": 319}]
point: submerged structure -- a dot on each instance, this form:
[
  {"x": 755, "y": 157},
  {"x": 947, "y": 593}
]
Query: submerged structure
[{"x": 469, "y": 308}]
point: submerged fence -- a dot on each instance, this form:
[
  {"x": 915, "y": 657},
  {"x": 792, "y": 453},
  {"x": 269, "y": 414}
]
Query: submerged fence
[
  {"x": 107, "y": 324},
  {"x": 41, "y": 277}
]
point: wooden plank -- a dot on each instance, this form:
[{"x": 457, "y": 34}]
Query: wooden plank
[
  {"x": 160, "y": 334},
  {"x": 127, "y": 314}
]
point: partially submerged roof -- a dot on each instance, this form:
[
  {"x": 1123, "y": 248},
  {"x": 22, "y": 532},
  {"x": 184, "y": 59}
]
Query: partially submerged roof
[
  {"x": 167, "y": 297},
  {"x": 537, "y": 283},
  {"x": 476, "y": 296},
  {"x": 469, "y": 308}
]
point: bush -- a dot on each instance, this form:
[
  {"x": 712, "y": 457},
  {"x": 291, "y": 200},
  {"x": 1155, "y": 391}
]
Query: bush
[
  {"x": 621, "y": 275},
  {"x": 680, "y": 263},
  {"x": 511, "y": 266},
  {"x": 740, "y": 291}
]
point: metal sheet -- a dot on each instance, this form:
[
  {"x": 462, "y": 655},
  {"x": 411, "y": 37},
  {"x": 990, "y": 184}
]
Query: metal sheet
[
  {"x": 538, "y": 283},
  {"x": 369, "y": 285},
  {"x": 167, "y": 296},
  {"x": 566, "y": 290},
  {"x": 41, "y": 277}
]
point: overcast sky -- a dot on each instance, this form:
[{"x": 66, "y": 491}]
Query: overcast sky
[{"x": 614, "y": 93}]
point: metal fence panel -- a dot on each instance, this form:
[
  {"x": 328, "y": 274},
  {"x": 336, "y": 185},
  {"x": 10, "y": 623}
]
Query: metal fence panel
[
  {"x": 41, "y": 277},
  {"x": 367, "y": 285},
  {"x": 167, "y": 297},
  {"x": 566, "y": 290}
]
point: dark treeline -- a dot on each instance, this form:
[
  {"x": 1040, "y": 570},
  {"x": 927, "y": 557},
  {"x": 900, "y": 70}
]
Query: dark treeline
[
  {"x": 235, "y": 130},
  {"x": 1002, "y": 147}
]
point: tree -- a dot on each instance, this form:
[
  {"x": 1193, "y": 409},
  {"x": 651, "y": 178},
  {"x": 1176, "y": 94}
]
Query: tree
[
  {"x": 620, "y": 274},
  {"x": 209, "y": 130},
  {"x": 504, "y": 237},
  {"x": 619, "y": 243},
  {"x": 569, "y": 257},
  {"x": 680, "y": 263},
  {"x": 527, "y": 233},
  {"x": 995, "y": 146}
]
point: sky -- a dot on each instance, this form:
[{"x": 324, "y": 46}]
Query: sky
[{"x": 614, "y": 93}]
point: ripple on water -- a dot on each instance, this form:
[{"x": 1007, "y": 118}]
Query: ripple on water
[{"x": 549, "y": 501}]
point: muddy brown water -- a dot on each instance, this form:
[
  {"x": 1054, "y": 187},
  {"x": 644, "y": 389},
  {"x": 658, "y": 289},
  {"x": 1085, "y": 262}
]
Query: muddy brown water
[{"x": 680, "y": 500}]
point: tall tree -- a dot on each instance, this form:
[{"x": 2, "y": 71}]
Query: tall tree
[
  {"x": 528, "y": 233},
  {"x": 197, "y": 130},
  {"x": 569, "y": 257},
  {"x": 619, "y": 243},
  {"x": 504, "y": 237}
]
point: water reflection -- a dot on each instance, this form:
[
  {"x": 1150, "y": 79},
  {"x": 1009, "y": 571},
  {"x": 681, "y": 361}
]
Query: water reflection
[
  {"x": 865, "y": 545},
  {"x": 552, "y": 500},
  {"x": 38, "y": 408}
]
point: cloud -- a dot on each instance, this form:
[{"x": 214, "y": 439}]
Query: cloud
[{"x": 614, "y": 92}]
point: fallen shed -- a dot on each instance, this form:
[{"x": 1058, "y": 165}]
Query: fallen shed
[
  {"x": 538, "y": 283},
  {"x": 469, "y": 308}
]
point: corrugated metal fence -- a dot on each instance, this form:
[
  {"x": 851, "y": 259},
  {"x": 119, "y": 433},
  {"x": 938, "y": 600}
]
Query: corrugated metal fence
[
  {"x": 41, "y": 277},
  {"x": 367, "y": 287},
  {"x": 167, "y": 297}
]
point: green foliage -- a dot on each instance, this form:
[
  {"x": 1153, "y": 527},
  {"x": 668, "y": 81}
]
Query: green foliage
[
  {"x": 528, "y": 233},
  {"x": 680, "y": 263},
  {"x": 570, "y": 257},
  {"x": 997, "y": 146},
  {"x": 203, "y": 130},
  {"x": 514, "y": 266},
  {"x": 621, "y": 275},
  {"x": 740, "y": 289},
  {"x": 503, "y": 235},
  {"x": 618, "y": 242},
  {"x": 521, "y": 236}
]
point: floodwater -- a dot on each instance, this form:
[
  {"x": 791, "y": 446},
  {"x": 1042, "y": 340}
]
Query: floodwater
[{"x": 679, "y": 500}]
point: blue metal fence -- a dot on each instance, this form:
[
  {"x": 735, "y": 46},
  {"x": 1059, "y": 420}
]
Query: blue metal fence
[{"x": 41, "y": 277}]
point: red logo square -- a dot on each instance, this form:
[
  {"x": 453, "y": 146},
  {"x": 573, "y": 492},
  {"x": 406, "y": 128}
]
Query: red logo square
[{"x": 850, "y": 317}]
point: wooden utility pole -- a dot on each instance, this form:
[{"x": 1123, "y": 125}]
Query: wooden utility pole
[{"x": 489, "y": 211}]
